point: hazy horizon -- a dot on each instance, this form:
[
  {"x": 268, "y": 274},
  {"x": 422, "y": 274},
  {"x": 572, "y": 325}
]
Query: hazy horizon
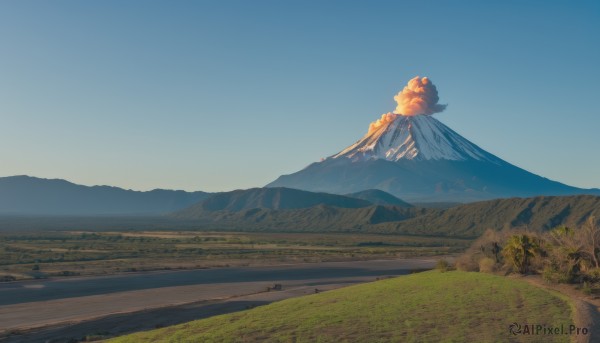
[{"x": 232, "y": 94}]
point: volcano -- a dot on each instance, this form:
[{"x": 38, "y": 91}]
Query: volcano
[{"x": 419, "y": 159}]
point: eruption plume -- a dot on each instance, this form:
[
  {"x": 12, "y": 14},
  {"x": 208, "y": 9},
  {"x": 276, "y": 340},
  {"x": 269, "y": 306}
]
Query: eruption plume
[
  {"x": 420, "y": 96},
  {"x": 386, "y": 118}
]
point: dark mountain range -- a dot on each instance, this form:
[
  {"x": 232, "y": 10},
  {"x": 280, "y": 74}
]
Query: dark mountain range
[
  {"x": 379, "y": 197},
  {"x": 34, "y": 196},
  {"x": 468, "y": 220},
  {"x": 270, "y": 198}
]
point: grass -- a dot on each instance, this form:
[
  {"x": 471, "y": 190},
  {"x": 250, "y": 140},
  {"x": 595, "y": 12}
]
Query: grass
[
  {"x": 425, "y": 307},
  {"x": 68, "y": 253}
]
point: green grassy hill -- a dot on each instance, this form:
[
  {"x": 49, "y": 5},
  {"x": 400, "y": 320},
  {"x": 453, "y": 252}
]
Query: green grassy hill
[{"x": 424, "y": 307}]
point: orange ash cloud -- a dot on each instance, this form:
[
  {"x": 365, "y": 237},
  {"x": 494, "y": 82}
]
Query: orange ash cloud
[{"x": 420, "y": 96}]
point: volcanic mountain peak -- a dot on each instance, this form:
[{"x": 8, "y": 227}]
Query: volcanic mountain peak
[
  {"x": 413, "y": 156},
  {"x": 419, "y": 137}
]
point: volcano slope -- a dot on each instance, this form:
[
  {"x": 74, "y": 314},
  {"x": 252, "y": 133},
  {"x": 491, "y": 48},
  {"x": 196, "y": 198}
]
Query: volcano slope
[{"x": 425, "y": 307}]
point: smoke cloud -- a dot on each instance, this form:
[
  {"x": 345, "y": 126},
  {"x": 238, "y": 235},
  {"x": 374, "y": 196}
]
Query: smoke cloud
[
  {"x": 420, "y": 96},
  {"x": 386, "y": 118}
]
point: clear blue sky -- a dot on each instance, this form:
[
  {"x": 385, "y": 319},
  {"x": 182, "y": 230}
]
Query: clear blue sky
[{"x": 218, "y": 95}]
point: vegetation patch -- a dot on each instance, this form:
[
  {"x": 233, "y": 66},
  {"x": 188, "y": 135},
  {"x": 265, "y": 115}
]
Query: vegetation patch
[
  {"x": 36, "y": 255},
  {"x": 561, "y": 255}
]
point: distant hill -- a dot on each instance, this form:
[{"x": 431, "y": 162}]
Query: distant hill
[
  {"x": 35, "y": 196},
  {"x": 539, "y": 213},
  {"x": 320, "y": 218},
  {"x": 440, "y": 205},
  {"x": 469, "y": 220},
  {"x": 379, "y": 197},
  {"x": 277, "y": 198}
]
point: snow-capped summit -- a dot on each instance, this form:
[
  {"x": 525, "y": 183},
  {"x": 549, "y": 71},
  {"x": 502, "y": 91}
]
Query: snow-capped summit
[{"x": 420, "y": 137}]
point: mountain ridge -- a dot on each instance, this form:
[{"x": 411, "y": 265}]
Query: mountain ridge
[
  {"x": 278, "y": 198},
  {"x": 379, "y": 197},
  {"x": 22, "y": 194},
  {"x": 465, "y": 221}
]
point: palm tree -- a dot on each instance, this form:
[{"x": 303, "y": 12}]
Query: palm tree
[{"x": 519, "y": 249}]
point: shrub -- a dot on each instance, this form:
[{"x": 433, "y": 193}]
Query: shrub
[
  {"x": 489, "y": 245},
  {"x": 593, "y": 275},
  {"x": 519, "y": 250},
  {"x": 443, "y": 266},
  {"x": 586, "y": 288},
  {"x": 553, "y": 274},
  {"x": 467, "y": 263},
  {"x": 487, "y": 265}
]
